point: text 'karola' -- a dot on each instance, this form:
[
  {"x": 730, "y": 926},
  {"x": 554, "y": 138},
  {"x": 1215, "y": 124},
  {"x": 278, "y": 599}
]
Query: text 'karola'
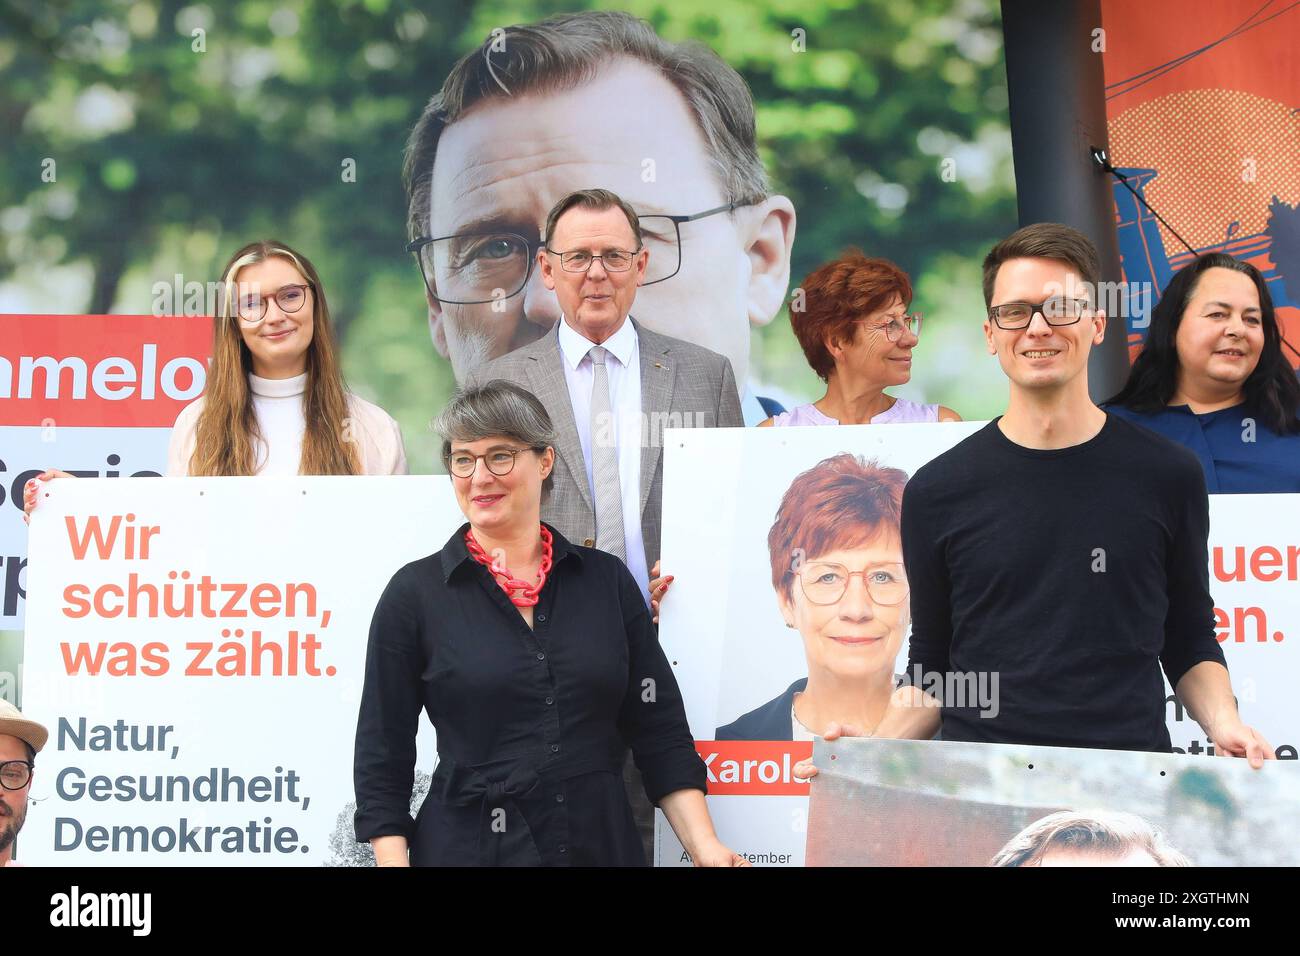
[{"x": 738, "y": 767}]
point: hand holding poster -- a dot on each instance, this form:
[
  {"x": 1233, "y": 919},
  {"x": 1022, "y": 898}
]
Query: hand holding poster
[
  {"x": 195, "y": 648},
  {"x": 759, "y": 673}
]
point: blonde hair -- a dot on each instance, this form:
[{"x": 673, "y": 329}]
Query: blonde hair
[{"x": 227, "y": 425}]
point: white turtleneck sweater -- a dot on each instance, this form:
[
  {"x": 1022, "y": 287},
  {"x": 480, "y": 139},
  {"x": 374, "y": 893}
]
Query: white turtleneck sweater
[{"x": 278, "y": 406}]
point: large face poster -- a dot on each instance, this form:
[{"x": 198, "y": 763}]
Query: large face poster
[
  {"x": 787, "y": 608},
  {"x": 196, "y": 648},
  {"x": 935, "y": 803}
]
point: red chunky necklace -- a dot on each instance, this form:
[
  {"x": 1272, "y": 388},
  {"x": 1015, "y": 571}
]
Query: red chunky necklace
[{"x": 509, "y": 583}]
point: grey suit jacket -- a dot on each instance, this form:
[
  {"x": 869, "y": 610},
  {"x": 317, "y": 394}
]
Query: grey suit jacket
[{"x": 682, "y": 386}]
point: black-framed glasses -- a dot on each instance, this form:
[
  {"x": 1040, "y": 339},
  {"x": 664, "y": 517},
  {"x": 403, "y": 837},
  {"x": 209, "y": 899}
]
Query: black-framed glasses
[
  {"x": 16, "y": 774},
  {"x": 476, "y": 268},
  {"x": 251, "y": 307},
  {"x": 580, "y": 260},
  {"x": 499, "y": 461},
  {"x": 1057, "y": 310},
  {"x": 897, "y": 323},
  {"x": 824, "y": 582}
]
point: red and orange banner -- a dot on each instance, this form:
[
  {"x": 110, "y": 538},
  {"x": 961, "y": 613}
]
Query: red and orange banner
[
  {"x": 1203, "y": 107},
  {"x": 124, "y": 371}
]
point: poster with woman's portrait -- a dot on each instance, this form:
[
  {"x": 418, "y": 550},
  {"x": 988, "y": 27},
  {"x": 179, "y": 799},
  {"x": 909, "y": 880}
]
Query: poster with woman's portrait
[{"x": 789, "y": 608}]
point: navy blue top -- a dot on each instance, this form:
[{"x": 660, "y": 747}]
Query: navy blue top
[
  {"x": 771, "y": 721},
  {"x": 1238, "y": 453}
]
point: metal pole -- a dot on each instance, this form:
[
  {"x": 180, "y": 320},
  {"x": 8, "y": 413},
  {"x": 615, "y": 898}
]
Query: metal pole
[{"x": 1056, "y": 90}]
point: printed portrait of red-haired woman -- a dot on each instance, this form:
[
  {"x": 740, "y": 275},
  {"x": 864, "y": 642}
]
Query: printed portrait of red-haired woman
[{"x": 837, "y": 570}]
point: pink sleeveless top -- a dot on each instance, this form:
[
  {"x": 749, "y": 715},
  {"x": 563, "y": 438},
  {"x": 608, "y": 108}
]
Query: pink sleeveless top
[{"x": 902, "y": 411}]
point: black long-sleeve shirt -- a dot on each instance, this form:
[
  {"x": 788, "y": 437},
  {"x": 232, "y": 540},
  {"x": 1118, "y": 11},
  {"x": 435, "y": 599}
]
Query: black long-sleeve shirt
[
  {"x": 532, "y": 725},
  {"x": 1072, "y": 573}
]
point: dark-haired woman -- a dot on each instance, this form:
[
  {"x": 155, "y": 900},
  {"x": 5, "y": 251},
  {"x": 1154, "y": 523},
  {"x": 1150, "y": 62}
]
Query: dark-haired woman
[{"x": 1213, "y": 377}]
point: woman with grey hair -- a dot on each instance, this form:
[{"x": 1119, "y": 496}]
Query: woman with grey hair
[{"x": 537, "y": 664}]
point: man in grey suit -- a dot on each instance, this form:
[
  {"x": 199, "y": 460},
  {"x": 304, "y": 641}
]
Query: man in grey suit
[
  {"x": 611, "y": 386},
  {"x": 593, "y": 259}
]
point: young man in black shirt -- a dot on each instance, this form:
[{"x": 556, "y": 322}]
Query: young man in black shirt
[{"x": 1058, "y": 556}]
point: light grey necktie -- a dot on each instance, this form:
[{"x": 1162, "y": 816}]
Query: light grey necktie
[{"x": 604, "y": 461}]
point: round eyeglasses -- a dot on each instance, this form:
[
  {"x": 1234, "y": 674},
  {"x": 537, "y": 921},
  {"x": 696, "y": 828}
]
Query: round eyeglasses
[
  {"x": 824, "y": 582},
  {"x": 893, "y": 329},
  {"x": 251, "y": 307},
  {"x": 499, "y": 461},
  {"x": 15, "y": 774}
]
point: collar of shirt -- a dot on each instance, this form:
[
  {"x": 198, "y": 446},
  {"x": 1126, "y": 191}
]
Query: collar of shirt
[
  {"x": 574, "y": 346},
  {"x": 277, "y": 387},
  {"x": 455, "y": 554},
  {"x": 1206, "y": 416}
]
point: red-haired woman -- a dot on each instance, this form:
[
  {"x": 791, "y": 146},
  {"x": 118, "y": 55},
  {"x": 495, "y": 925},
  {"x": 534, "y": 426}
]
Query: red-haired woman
[
  {"x": 837, "y": 569},
  {"x": 858, "y": 337},
  {"x": 275, "y": 402}
]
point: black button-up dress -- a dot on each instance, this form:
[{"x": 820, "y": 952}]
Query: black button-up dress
[{"x": 532, "y": 725}]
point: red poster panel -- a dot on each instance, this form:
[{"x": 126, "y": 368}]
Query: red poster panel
[
  {"x": 1203, "y": 107},
  {"x": 122, "y": 371}
]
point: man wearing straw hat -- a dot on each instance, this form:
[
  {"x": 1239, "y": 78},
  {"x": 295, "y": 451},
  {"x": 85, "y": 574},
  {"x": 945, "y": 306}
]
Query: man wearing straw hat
[{"x": 20, "y": 740}]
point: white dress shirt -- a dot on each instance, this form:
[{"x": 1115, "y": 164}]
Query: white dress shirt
[{"x": 623, "y": 367}]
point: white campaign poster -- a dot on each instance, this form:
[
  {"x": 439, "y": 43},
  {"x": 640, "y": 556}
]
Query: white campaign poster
[
  {"x": 733, "y": 653},
  {"x": 196, "y": 648},
  {"x": 721, "y": 625},
  {"x": 1255, "y": 582},
  {"x": 88, "y": 452}
]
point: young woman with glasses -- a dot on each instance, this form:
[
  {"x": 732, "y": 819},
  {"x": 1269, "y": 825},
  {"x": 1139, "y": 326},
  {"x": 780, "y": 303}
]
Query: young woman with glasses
[
  {"x": 275, "y": 401},
  {"x": 858, "y": 336}
]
